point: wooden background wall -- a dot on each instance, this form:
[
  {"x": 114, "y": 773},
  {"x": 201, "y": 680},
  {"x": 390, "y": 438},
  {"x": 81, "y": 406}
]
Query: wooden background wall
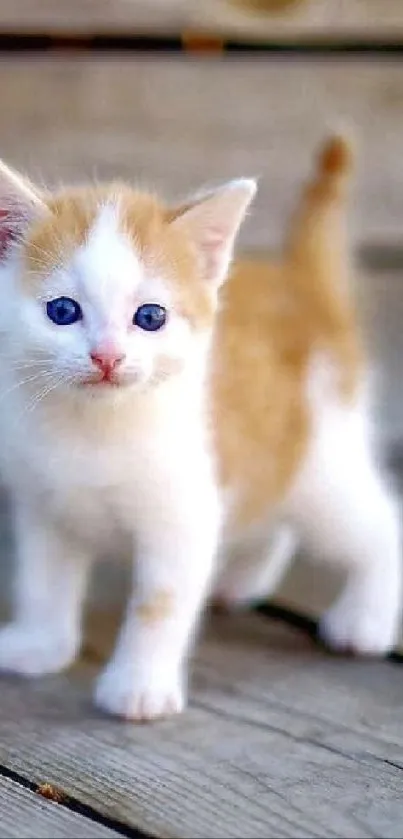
[{"x": 262, "y": 20}]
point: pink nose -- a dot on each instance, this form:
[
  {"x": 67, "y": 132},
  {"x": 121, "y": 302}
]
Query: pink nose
[{"x": 107, "y": 360}]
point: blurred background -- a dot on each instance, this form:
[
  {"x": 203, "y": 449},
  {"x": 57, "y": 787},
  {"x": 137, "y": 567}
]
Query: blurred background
[{"x": 180, "y": 93}]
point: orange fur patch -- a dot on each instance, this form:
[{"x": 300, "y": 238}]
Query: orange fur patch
[
  {"x": 157, "y": 609},
  {"x": 58, "y": 233},
  {"x": 146, "y": 223},
  {"x": 169, "y": 252}
]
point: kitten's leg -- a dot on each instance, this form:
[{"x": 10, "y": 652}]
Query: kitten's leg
[
  {"x": 257, "y": 569},
  {"x": 347, "y": 515},
  {"x": 45, "y": 633},
  {"x": 145, "y": 678}
]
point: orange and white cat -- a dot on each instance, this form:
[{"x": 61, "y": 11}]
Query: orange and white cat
[{"x": 150, "y": 408}]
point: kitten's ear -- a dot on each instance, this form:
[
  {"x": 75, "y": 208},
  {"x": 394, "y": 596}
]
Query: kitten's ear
[
  {"x": 213, "y": 221},
  {"x": 19, "y": 205}
]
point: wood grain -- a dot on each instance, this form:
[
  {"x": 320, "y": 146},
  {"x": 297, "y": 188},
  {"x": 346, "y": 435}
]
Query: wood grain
[
  {"x": 323, "y": 19},
  {"x": 24, "y": 814},
  {"x": 280, "y": 740},
  {"x": 177, "y": 124}
]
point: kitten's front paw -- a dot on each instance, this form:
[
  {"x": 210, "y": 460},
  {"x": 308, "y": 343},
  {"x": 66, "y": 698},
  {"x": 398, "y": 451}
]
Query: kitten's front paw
[
  {"x": 138, "y": 695},
  {"x": 30, "y": 651},
  {"x": 357, "y": 628}
]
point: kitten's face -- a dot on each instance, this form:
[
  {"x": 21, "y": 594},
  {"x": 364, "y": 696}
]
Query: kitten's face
[
  {"x": 111, "y": 295},
  {"x": 109, "y": 288}
]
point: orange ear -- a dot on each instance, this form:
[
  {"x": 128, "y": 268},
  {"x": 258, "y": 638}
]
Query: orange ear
[
  {"x": 19, "y": 204},
  {"x": 213, "y": 221}
]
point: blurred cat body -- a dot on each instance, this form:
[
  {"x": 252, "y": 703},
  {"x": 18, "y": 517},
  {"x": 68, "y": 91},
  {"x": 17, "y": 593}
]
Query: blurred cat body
[{"x": 205, "y": 427}]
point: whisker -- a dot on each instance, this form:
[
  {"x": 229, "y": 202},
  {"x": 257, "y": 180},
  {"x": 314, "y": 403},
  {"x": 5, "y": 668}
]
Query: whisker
[
  {"x": 23, "y": 382},
  {"x": 41, "y": 395},
  {"x": 27, "y": 365}
]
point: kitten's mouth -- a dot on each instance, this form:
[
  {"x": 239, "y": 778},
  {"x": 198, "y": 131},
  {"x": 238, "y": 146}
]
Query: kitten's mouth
[{"x": 101, "y": 380}]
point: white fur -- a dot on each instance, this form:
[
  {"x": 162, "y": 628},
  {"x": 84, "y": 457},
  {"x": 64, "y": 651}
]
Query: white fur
[
  {"x": 256, "y": 564},
  {"x": 346, "y": 514}
]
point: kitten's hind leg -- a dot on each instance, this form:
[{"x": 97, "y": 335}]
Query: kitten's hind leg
[
  {"x": 257, "y": 569},
  {"x": 345, "y": 512},
  {"x": 45, "y": 632}
]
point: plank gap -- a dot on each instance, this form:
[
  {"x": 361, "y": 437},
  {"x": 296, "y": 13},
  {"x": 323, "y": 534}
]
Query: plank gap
[
  {"x": 197, "y": 42},
  {"x": 68, "y": 802}
]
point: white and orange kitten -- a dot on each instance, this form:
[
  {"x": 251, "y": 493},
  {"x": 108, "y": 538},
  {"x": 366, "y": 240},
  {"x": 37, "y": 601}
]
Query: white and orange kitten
[{"x": 204, "y": 428}]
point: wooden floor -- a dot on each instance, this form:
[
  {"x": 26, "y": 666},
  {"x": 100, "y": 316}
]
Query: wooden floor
[{"x": 280, "y": 739}]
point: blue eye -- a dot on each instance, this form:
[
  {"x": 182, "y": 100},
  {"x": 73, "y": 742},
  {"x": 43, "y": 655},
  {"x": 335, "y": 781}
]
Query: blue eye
[
  {"x": 63, "y": 311},
  {"x": 150, "y": 317}
]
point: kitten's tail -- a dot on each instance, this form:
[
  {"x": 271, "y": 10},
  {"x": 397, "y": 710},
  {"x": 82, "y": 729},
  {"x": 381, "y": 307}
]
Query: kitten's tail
[
  {"x": 320, "y": 260},
  {"x": 317, "y": 240}
]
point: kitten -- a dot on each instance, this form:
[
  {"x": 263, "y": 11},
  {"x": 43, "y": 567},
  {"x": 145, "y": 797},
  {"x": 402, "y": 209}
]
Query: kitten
[{"x": 204, "y": 427}]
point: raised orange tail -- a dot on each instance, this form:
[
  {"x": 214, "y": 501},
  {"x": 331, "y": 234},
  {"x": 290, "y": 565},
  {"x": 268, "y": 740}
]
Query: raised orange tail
[
  {"x": 317, "y": 240},
  {"x": 319, "y": 260}
]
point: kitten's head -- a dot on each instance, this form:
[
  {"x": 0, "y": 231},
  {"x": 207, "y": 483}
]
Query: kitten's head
[{"x": 107, "y": 286}]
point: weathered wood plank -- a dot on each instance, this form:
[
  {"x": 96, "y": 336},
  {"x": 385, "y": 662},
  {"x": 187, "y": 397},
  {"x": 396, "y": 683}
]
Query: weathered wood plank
[
  {"x": 307, "y": 18},
  {"x": 280, "y": 740},
  {"x": 179, "y": 124},
  {"x": 319, "y": 19},
  {"x": 25, "y": 815}
]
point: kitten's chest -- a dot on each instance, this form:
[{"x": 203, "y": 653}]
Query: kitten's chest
[
  {"x": 100, "y": 479},
  {"x": 97, "y": 486},
  {"x": 92, "y": 487}
]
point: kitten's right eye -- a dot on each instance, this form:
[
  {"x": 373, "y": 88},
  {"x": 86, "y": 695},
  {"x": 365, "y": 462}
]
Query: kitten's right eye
[{"x": 63, "y": 311}]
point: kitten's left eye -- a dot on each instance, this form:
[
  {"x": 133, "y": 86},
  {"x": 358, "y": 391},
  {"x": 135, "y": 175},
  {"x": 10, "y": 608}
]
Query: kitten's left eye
[
  {"x": 150, "y": 317},
  {"x": 63, "y": 311}
]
